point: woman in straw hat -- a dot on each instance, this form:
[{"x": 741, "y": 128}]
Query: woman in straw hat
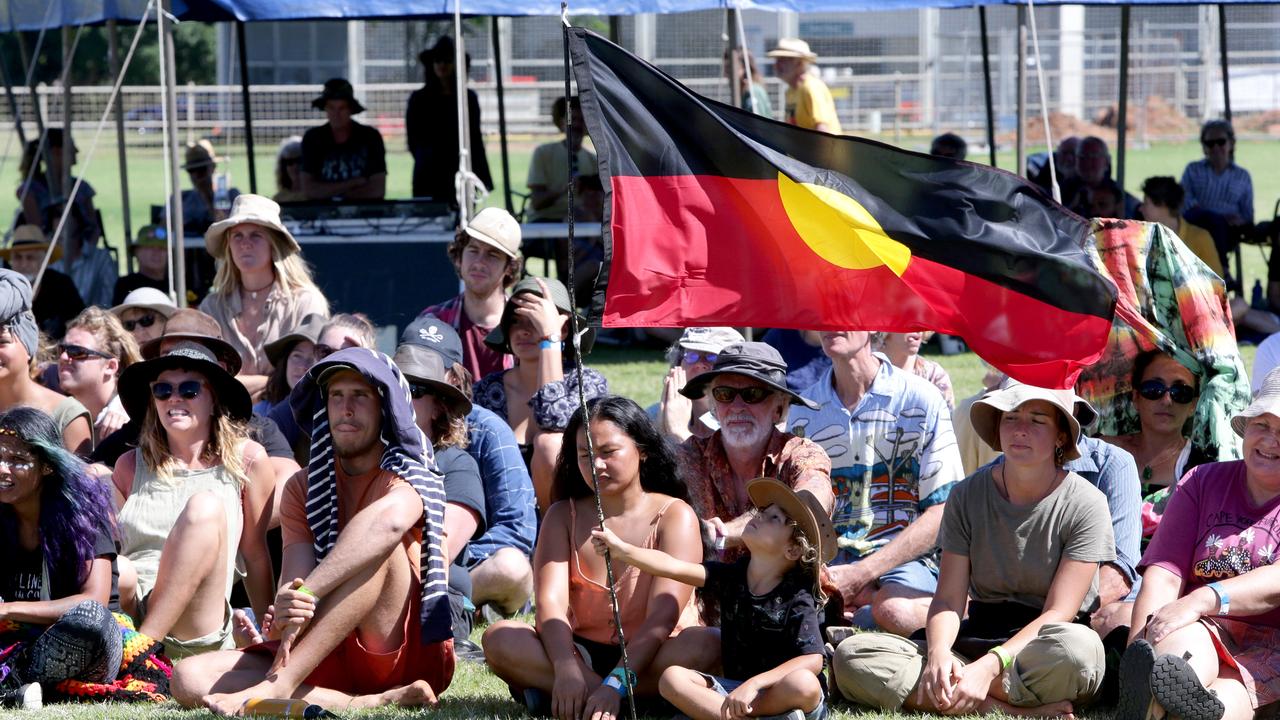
[
  {"x": 262, "y": 288},
  {"x": 1192, "y": 654},
  {"x": 19, "y": 343},
  {"x": 559, "y": 666},
  {"x": 1024, "y": 539},
  {"x": 193, "y": 495}
]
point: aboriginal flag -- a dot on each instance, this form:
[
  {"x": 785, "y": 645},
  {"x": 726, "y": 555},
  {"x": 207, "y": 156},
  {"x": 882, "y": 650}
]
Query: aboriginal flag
[{"x": 715, "y": 216}]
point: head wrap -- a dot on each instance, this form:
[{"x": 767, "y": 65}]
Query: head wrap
[
  {"x": 407, "y": 455},
  {"x": 15, "y": 309}
]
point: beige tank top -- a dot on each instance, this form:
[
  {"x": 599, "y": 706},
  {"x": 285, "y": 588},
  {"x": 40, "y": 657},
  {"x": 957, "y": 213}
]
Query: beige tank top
[{"x": 152, "y": 510}]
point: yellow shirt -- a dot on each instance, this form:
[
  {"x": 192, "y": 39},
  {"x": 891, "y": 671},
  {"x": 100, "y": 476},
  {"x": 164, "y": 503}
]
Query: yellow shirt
[
  {"x": 1200, "y": 242},
  {"x": 810, "y": 103}
]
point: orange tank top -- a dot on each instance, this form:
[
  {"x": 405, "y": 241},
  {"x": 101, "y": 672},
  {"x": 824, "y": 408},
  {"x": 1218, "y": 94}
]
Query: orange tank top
[{"x": 590, "y": 611}]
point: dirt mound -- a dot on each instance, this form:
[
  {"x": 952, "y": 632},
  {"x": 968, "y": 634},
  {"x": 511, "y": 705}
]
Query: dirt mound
[{"x": 1157, "y": 118}]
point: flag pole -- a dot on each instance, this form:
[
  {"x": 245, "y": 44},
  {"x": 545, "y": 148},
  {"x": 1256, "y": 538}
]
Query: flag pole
[{"x": 628, "y": 680}]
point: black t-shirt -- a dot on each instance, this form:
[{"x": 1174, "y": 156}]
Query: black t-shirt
[
  {"x": 57, "y": 303},
  {"x": 760, "y": 632},
  {"x": 362, "y": 155},
  {"x": 134, "y": 281},
  {"x": 462, "y": 486},
  {"x": 22, "y": 571},
  {"x": 262, "y": 430}
]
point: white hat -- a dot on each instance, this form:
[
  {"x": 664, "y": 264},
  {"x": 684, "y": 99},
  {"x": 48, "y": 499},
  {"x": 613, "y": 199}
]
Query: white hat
[
  {"x": 146, "y": 298},
  {"x": 1266, "y": 401},
  {"x": 985, "y": 414},
  {"x": 709, "y": 339},
  {"x": 495, "y": 227},
  {"x": 254, "y": 209},
  {"x": 793, "y": 48}
]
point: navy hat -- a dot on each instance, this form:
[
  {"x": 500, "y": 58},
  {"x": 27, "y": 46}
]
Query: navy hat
[
  {"x": 431, "y": 332},
  {"x": 754, "y": 360}
]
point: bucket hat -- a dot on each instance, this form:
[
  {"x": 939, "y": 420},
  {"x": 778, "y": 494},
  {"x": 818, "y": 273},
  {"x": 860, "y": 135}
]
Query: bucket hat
[
  {"x": 1266, "y": 401},
  {"x": 709, "y": 339},
  {"x": 985, "y": 413},
  {"x": 338, "y": 89},
  {"x": 754, "y": 360},
  {"x": 135, "y": 381},
  {"x": 421, "y": 366},
  {"x": 191, "y": 324},
  {"x": 146, "y": 298},
  {"x": 309, "y": 329},
  {"x": 498, "y": 340},
  {"x": 434, "y": 334},
  {"x": 151, "y": 236},
  {"x": 249, "y": 208}
]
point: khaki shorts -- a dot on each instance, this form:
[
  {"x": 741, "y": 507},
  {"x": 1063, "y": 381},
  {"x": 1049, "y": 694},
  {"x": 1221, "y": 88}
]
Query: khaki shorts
[
  {"x": 175, "y": 649},
  {"x": 1064, "y": 661}
]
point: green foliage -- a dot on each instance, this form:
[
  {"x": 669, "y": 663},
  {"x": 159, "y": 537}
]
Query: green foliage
[{"x": 194, "y": 45}]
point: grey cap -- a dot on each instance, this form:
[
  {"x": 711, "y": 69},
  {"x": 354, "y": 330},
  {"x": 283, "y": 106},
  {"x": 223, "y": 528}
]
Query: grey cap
[
  {"x": 431, "y": 332},
  {"x": 754, "y": 360}
]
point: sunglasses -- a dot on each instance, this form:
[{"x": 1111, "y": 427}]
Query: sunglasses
[
  {"x": 750, "y": 395},
  {"x": 1180, "y": 393},
  {"x": 144, "y": 321},
  {"x": 418, "y": 391},
  {"x": 1216, "y": 142},
  {"x": 80, "y": 352},
  {"x": 187, "y": 390},
  {"x": 691, "y": 357}
]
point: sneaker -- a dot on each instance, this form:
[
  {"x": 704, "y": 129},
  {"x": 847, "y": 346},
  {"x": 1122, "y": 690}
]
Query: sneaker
[
  {"x": 25, "y": 697},
  {"x": 1135, "y": 681},
  {"x": 1175, "y": 685}
]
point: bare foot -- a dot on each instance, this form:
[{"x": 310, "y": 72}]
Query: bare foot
[
  {"x": 243, "y": 630},
  {"x": 232, "y": 704},
  {"x": 1052, "y": 710},
  {"x": 415, "y": 694}
]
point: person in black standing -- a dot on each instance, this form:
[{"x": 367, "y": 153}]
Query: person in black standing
[
  {"x": 342, "y": 158},
  {"x": 431, "y": 124}
]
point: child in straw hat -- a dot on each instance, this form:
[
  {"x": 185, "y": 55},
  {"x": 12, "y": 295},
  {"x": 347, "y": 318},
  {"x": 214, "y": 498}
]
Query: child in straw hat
[{"x": 769, "y": 640}]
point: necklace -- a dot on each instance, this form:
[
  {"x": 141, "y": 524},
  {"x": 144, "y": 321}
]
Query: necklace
[
  {"x": 253, "y": 294},
  {"x": 1160, "y": 460}
]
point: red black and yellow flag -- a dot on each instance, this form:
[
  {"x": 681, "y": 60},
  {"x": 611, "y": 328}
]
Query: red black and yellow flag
[{"x": 715, "y": 216}]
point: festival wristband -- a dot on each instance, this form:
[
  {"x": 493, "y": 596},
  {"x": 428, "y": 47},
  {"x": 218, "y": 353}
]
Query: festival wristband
[
  {"x": 307, "y": 591},
  {"x": 1224, "y": 600},
  {"x": 546, "y": 344},
  {"x": 615, "y": 680},
  {"x": 1003, "y": 656}
]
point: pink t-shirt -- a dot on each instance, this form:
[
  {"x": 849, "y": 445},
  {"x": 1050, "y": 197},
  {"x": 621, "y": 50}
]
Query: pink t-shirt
[{"x": 1211, "y": 530}]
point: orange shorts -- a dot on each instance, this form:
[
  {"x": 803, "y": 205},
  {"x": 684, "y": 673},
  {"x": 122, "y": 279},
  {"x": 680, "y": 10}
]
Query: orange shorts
[{"x": 354, "y": 670}]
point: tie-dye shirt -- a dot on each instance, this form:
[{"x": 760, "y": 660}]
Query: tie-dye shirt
[{"x": 892, "y": 457}]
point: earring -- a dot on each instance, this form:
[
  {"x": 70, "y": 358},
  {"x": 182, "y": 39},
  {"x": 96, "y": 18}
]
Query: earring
[{"x": 1059, "y": 455}]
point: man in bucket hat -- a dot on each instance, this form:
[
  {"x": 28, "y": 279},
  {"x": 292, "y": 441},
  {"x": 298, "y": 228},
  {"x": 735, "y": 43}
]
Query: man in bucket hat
[
  {"x": 894, "y": 461},
  {"x": 809, "y": 102},
  {"x": 365, "y": 619},
  {"x": 342, "y": 158},
  {"x": 749, "y": 396}
]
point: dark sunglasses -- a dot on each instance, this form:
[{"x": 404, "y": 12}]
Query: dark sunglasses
[
  {"x": 749, "y": 395},
  {"x": 418, "y": 391},
  {"x": 187, "y": 390},
  {"x": 1216, "y": 142},
  {"x": 80, "y": 352},
  {"x": 324, "y": 351},
  {"x": 1180, "y": 393},
  {"x": 693, "y": 356},
  {"x": 144, "y": 321}
]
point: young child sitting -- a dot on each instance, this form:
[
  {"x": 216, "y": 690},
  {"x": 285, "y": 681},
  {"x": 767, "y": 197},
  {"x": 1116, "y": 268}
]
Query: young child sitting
[{"x": 769, "y": 639}]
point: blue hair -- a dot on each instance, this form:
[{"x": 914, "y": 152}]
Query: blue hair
[{"x": 75, "y": 507}]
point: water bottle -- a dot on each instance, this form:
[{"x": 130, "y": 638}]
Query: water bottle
[
  {"x": 222, "y": 194},
  {"x": 1259, "y": 300},
  {"x": 284, "y": 708}
]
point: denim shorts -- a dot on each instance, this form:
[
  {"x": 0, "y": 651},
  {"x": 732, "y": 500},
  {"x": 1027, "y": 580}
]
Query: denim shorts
[
  {"x": 915, "y": 574},
  {"x": 724, "y": 686}
]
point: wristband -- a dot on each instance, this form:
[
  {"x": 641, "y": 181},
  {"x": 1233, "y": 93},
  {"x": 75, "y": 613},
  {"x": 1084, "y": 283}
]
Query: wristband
[
  {"x": 1224, "y": 600},
  {"x": 615, "y": 680},
  {"x": 307, "y": 591},
  {"x": 1003, "y": 656},
  {"x": 546, "y": 344}
]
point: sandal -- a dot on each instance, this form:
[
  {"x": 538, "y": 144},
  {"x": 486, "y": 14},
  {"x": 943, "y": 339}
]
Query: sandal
[
  {"x": 1175, "y": 685},
  {"x": 1135, "y": 681}
]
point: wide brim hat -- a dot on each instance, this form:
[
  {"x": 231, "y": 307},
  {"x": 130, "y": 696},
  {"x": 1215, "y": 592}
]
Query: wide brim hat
[
  {"x": 254, "y": 209},
  {"x": 146, "y": 298},
  {"x": 191, "y": 324},
  {"x": 754, "y": 360},
  {"x": 1266, "y": 401},
  {"x": 338, "y": 89},
  {"x": 29, "y": 237},
  {"x": 135, "y": 382},
  {"x": 309, "y": 329},
  {"x": 792, "y": 48},
  {"x": 803, "y": 508},
  {"x": 426, "y": 367},
  {"x": 985, "y": 413},
  {"x": 497, "y": 339}
]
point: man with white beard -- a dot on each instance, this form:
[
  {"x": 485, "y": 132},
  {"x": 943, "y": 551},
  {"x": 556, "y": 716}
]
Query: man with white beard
[
  {"x": 749, "y": 396},
  {"x": 894, "y": 461}
]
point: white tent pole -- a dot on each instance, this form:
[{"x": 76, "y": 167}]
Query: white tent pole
[
  {"x": 177, "y": 262},
  {"x": 463, "y": 183}
]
